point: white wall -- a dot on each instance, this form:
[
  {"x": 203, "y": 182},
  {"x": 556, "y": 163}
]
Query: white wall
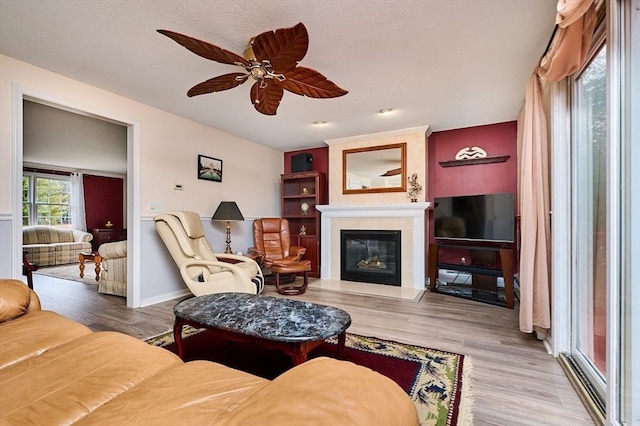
[{"x": 168, "y": 151}]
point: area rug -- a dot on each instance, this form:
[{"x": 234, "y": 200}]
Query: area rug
[
  {"x": 70, "y": 272},
  {"x": 438, "y": 382}
]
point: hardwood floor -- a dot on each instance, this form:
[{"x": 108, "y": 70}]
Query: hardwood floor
[{"x": 515, "y": 382}]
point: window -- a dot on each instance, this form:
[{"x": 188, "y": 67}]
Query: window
[
  {"x": 590, "y": 221},
  {"x": 46, "y": 200}
]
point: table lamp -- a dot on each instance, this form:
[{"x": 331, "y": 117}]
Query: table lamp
[{"x": 229, "y": 211}]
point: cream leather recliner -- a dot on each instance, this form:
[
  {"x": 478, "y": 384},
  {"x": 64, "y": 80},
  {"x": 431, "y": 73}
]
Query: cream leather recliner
[{"x": 202, "y": 270}]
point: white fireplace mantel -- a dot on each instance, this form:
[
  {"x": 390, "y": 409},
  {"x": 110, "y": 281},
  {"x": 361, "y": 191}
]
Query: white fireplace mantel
[{"x": 413, "y": 212}]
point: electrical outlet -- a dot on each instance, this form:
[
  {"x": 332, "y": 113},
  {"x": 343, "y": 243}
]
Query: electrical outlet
[{"x": 155, "y": 207}]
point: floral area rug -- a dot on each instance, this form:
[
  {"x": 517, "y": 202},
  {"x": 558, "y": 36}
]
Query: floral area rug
[{"x": 438, "y": 382}]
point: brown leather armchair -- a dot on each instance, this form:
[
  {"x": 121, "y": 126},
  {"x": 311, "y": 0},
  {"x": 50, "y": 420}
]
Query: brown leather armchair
[{"x": 272, "y": 243}]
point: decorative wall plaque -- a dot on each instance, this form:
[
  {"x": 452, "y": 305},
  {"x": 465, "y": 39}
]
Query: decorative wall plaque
[{"x": 473, "y": 155}]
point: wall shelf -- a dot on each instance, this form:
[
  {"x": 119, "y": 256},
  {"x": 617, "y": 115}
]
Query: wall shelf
[{"x": 473, "y": 161}]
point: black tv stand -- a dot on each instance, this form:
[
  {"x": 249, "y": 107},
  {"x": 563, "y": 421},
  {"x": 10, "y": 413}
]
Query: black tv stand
[{"x": 484, "y": 268}]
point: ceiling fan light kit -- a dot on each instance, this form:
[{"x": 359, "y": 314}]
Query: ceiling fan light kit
[{"x": 271, "y": 59}]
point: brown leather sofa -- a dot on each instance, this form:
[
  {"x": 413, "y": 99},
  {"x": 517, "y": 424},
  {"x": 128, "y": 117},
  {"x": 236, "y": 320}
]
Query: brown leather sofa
[{"x": 56, "y": 371}]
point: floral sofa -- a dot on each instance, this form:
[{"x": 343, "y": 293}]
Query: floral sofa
[{"x": 47, "y": 245}]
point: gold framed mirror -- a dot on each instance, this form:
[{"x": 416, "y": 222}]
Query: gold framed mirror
[{"x": 374, "y": 169}]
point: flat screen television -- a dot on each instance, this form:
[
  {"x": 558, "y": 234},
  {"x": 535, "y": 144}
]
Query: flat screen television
[{"x": 488, "y": 217}]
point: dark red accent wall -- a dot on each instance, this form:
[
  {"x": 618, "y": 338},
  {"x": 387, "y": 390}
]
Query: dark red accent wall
[
  {"x": 104, "y": 200},
  {"x": 496, "y": 139},
  {"x": 320, "y": 159}
]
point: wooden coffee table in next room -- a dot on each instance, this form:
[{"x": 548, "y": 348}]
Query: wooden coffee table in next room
[{"x": 292, "y": 326}]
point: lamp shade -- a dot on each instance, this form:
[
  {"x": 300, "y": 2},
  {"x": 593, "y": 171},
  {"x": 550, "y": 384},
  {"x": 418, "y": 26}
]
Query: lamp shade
[{"x": 227, "y": 210}]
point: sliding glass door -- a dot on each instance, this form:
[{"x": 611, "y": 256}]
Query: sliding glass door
[
  {"x": 597, "y": 234},
  {"x": 590, "y": 257}
]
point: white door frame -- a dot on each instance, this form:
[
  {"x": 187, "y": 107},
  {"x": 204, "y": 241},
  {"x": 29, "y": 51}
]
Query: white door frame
[{"x": 19, "y": 93}]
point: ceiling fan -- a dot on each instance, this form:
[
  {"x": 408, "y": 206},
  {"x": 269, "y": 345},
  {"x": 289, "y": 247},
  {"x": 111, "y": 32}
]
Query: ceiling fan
[{"x": 271, "y": 59}]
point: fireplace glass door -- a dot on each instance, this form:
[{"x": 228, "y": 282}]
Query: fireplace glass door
[{"x": 370, "y": 256}]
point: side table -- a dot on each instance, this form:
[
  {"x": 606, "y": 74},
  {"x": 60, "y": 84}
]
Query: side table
[{"x": 95, "y": 257}]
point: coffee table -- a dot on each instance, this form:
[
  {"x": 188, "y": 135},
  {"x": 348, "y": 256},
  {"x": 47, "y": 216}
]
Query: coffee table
[{"x": 292, "y": 326}]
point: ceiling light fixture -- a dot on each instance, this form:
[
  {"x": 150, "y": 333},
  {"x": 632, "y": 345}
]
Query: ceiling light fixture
[
  {"x": 319, "y": 123},
  {"x": 385, "y": 110}
]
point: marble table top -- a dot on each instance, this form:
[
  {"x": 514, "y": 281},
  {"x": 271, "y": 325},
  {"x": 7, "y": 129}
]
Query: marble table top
[{"x": 267, "y": 317}]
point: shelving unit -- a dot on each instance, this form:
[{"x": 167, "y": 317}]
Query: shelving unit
[
  {"x": 486, "y": 264},
  {"x": 310, "y": 189}
]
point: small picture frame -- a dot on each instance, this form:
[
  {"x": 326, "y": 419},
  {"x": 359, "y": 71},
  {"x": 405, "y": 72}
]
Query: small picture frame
[{"x": 209, "y": 168}]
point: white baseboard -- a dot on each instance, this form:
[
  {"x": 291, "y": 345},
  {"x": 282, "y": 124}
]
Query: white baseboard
[{"x": 164, "y": 297}]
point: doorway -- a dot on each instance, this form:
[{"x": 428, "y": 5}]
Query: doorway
[{"x": 132, "y": 182}]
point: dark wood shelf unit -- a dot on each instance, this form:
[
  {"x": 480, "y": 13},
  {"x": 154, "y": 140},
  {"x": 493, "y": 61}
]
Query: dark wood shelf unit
[
  {"x": 486, "y": 263},
  {"x": 296, "y": 189}
]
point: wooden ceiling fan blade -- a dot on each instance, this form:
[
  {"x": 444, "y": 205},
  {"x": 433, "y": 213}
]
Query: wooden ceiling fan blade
[
  {"x": 218, "y": 84},
  {"x": 307, "y": 82},
  {"x": 284, "y": 47},
  {"x": 205, "y": 49},
  {"x": 266, "y": 98}
]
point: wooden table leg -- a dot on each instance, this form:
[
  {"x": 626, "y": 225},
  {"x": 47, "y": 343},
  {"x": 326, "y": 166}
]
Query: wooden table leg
[
  {"x": 81, "y": 259},
  {"x": 342, "y": 338},
  {"x": 28, "y": 269},
  {"x": 97, "y": 259},
  {"x": 299, "y": 354},
  {"x": 177, "y": 335}
]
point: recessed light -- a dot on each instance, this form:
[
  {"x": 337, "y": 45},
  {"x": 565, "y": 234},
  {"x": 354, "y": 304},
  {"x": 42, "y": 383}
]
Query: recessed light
[
  {"x": 385, "y": 110},
  {"x": 319, "y": 123}
]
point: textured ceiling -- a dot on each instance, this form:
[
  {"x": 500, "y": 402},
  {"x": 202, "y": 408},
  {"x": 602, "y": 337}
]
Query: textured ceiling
[{"x": 444, "y": 63}]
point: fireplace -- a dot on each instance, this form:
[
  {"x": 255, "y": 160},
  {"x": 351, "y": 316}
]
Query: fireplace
[
  {"x": 409, "y": 218},
  {"x": 370, "y": 256}
]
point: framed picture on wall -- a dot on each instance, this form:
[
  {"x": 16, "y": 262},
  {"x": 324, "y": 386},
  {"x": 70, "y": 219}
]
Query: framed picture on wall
[{"x": 209, "y": 168}]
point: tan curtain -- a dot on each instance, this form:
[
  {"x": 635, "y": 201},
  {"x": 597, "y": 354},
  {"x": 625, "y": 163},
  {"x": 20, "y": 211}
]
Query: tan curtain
[
  {"x": 567, "y": 51},
  {"x": 576, "y": 20},
  {"x": 534, "y": 214}
]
